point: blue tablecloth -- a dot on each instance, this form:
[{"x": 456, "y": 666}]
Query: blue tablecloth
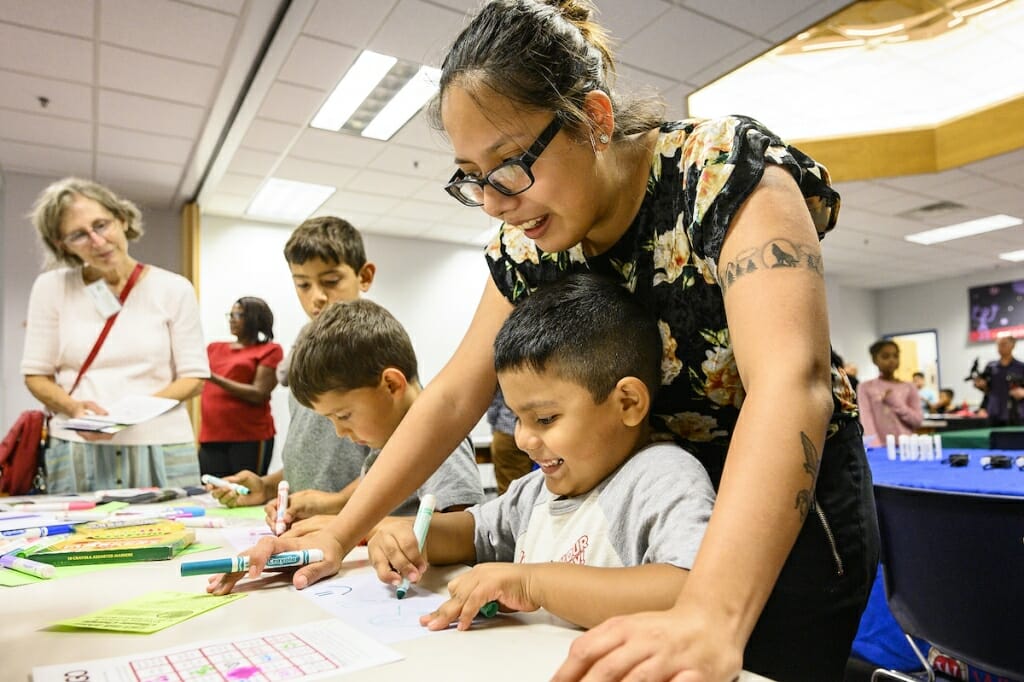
[
  {"x": 937, "y": 476},
  {"x": 879, "y": 638}
]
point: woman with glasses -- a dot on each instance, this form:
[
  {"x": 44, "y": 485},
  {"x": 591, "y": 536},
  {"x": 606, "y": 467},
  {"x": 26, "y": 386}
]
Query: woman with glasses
[
  {"x": 237, "y": 430},
  {"x": 154, "y": 346},
  {"x": 714, "y": 225}
]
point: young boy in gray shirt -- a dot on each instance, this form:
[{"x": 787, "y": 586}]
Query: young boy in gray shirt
[
  {"x": 610, "y": 523},
  {"x": 356, "y": 366}
]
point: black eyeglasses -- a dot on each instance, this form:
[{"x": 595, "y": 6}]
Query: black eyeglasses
[{"x": 511, "y": 177}]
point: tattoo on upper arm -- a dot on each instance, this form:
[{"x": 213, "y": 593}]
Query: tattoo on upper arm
[
  {"x": 777, "y": 253},
  {"x": 805, "y": 498}
]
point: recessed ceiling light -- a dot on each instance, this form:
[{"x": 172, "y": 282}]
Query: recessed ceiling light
[
  {"x": 349, "y": 93},
  {"x": 961, "y": 230},
  {"x": 288, "y": 200},
  {"x": 1014, "y": 256}
]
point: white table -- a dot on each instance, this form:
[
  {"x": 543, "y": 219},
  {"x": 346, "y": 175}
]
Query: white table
[{"x": 513, "y": 647}]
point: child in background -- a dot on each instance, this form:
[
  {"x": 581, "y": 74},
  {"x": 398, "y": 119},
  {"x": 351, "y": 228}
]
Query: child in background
[
  {"x": 356, "y": 366},
  {"x": 610, "y": 523},
  {"x": 944, "y": 405},
  {"x": 887, "y": 405},
  {"x": 328, "y": 263}
]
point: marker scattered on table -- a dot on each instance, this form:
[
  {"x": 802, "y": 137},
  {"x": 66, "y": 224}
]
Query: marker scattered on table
[
  {"x": 40, "y": 531},
  {"x": 282, "y": 506},
  {"x": 55, "y": 506},
  {"x": 238, "y": 564},
  {"x": 221, "y": 483},
  {"x": 419, "y": 528},
  {"x": 27, "y": 566}
]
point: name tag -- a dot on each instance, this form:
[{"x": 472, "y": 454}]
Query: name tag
[{"x": 103, "y": 298}]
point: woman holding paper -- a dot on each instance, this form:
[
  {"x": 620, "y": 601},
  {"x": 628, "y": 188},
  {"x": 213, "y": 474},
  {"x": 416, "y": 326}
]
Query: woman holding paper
[{"x": 153, "y": 345}]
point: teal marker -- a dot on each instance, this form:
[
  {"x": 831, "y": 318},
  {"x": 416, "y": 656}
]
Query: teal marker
[
  {"x": 489, "y": 610},
  {"x": 419, "y": 528},
  {"x": 239, "y": 564},
  {"x": 221, "y": 483}
]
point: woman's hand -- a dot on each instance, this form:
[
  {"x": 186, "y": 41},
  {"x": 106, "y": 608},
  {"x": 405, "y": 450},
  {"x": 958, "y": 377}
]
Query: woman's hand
[
  {"x": 505, "y": 583},
  {"x": 655, "y": 646},
  {"x": 268, "y": 545},
  {"x": 229, "y": 498},
  {"x": 86, "y": 408}
]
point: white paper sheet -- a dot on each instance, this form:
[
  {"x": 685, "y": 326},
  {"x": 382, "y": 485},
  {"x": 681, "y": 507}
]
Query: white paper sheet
[{"x": 312, "y": 651}]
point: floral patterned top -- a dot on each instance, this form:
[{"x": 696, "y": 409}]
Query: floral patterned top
[{"x": 701, "y": 172}]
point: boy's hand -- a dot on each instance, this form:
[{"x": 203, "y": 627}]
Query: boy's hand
[
  {"x": 508, "y": 584},
  {"x": 303, "y": 577},
  {"x": 311, "y": 525},
  {"x": 229, "y": 498},
  {"x": 303, "y": 505},
  {"x": 394, "y": 552}
]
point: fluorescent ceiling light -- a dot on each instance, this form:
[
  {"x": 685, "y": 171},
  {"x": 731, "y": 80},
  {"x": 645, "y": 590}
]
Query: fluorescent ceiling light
[
  {"x": 406, "y": 102},
  {"x": 288, "y": 200},
  {"x": 1015, "y": 256},
  {"x": 350, "y": 92},
  {"x": 961, "y": 230}
]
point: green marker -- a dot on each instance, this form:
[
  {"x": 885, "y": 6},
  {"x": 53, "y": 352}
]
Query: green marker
[{"x": 489, "y": 610}]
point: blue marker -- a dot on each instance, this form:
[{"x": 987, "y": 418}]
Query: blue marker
[
  {"x": 39, "y": 532},
  {"x": 221, "y": 483},
  {"x": 239, "y": 564},
  {"x": 419, "y": 528}
]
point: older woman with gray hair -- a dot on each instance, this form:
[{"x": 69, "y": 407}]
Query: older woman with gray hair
[{"x": 153, "y": 345}]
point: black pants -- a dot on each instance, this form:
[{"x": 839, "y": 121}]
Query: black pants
[
  {"x": 812, "y": 615},
  {"x": 226, "y": 458}
]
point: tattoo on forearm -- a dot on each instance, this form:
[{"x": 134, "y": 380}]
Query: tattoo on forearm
[
  {"x": 777, "y": 253},
  {"x": 805, "y": 498}
]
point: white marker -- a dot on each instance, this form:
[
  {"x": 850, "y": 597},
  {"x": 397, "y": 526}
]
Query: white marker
[
  {"x": 282, "y": 505},
  {"x": 419, "y": 528},
  {"x": 221, "y": 483}
]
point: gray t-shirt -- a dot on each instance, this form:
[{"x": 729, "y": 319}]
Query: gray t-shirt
[
  {"x": 456, "y": 481},
  {"x": 314, "y": 457},
  {"x": 653, "y": 509}
]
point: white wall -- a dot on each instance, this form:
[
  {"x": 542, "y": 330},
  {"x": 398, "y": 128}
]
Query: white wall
[
  {"x": 22, "y": 259},
  {"x": 432, "y": 288},
  {"x": 942, "y": 305},
  {"x": 852, "y": 317}
]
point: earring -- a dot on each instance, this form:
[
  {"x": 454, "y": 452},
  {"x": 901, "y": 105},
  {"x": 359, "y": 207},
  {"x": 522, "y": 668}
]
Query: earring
[{"x": 603, "y": 138}]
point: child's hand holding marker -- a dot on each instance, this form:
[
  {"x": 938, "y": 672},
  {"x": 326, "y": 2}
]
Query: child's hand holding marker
[
  {"x": 258, "y": 557},
  {"x": 282, "y": 506},
  {"x": 230, "y": 495},
  {"x": 481, "y": 591}
]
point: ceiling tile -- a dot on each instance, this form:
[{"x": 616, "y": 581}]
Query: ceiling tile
[
  {"x": 375, "y": 181},
  {"x": 241, "y": 185},
  {"x": 252, "y": 162},
  {"x": 227, "y": 6},
  {"x": 131, "y": 143},
  {"x": 121, "y": 110},
  {"x": 45, "y": 130},
  {"x": 144, "y": 74},
  {"x": 45, "y": 54},
  {"x": 118, "y": 168},
  {"x": 172, "y": 29},
  {"x": 418, "y": 132},
  {"x": 802, "y": 20},
  {"x": 291, "y": 103},
  {"x": 34, "y": 158},
  {"x": 316, "y": 172},
  {"x": 66, "y": 100},
  {"x": 222, "y": 203},
  {"x": 418, "y": 32},
  {"x": 681, "y": 43},
  {"x": 754, "y": 17},
  {"x": 419, "y": 210},
  {"x": 397, "y": 227},
  {"x": 269, "y": 136},
  {"x": 362, "y": 202},
  {"x": 343, "y": 148},
  {"x": 59, "y": 16},
  {"x": 625, "y": 19},
  {"x": 349, "y": 22},
  {"x": 317, "y": 63},
  {"x": 753, "y": 49},
  {"x": 414, "y": 162}
]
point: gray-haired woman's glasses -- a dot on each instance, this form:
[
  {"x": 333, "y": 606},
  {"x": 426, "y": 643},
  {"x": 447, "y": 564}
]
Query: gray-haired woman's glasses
[{"x": 510, "y": 177}]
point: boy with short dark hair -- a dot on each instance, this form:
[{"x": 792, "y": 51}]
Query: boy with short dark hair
[
  {"x": 328, "y": 263},
  {"x": 356, "y": 366},
  {"x": 611, "y": 523}
]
